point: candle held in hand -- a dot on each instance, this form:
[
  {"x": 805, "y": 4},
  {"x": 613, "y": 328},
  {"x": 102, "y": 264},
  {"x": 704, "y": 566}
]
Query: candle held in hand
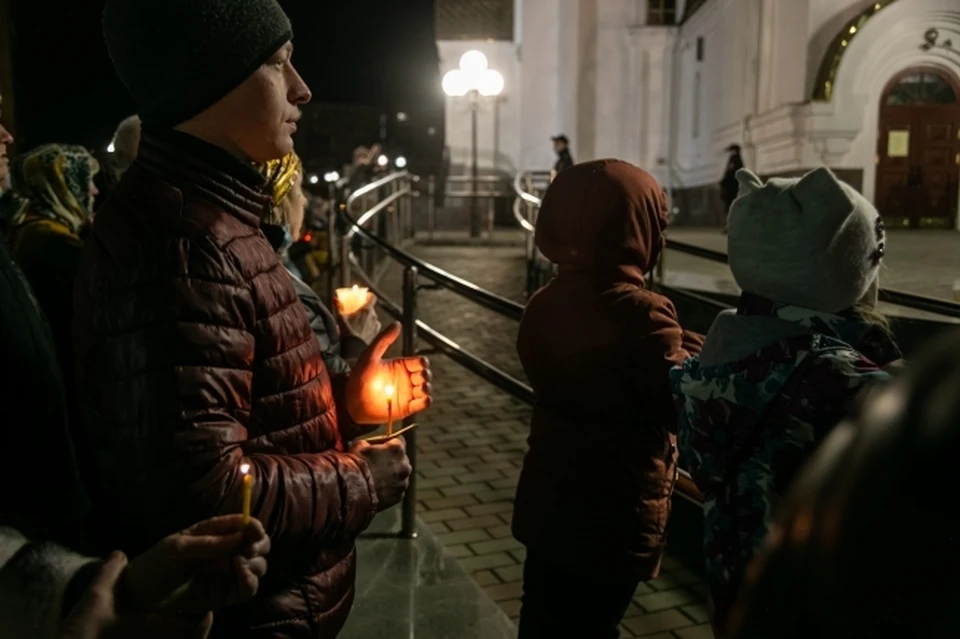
[
  {"x": 247, "y": 492},
  {"x": 388, "y": 391},
  {"x": 352, "y": 299}
]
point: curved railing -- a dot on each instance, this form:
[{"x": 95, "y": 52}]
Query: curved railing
[
  {"x": 439, "y": 277},
  {"x": 357, "y": 223},
  {"x": 895, "y": 297}
]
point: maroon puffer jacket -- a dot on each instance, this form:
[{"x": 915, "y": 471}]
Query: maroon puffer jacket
[{"x": 194, "y": 355}]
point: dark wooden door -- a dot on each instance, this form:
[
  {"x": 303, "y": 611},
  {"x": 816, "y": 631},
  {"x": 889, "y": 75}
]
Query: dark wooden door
[{"x": 918, "y": 151}]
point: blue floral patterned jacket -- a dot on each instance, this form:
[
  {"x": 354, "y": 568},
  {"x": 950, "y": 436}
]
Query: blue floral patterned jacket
[{"x": 746, "y": 425}]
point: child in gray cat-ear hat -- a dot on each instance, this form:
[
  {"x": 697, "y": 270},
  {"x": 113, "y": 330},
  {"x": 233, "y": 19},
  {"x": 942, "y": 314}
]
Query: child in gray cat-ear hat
[{"x": 780, "y": 371}]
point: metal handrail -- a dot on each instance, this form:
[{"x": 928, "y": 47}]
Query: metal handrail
[
  {"x": 477, "y": 295},
  {"x": 521, "y": 218},
  {"x": 887, "y": 295},
  {"x": 529, "y": 198},
  {"x": 444, "y": 344},
  {"x": 478, "y": 194},
  {"x": 479, "y": 179}
]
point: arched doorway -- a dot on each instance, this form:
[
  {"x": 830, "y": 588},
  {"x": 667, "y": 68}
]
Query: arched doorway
[{"x": 918, "y": 150}]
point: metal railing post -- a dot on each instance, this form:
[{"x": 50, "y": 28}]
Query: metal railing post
[
  {"x": 431, "y": 206},
  {"x": 408, "y": 525},
  {"x": 345, "y": 261},
  {"x": 332, "y": 245},
  {"x": 491, "y": 214}
]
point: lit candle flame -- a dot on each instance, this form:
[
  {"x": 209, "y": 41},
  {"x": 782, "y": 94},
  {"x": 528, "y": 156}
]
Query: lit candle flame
[
  {"x": 247, "y": 492},
  {"x": 389, "y": 390}
]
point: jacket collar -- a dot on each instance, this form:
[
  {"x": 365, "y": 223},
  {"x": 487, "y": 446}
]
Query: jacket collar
[
  {"x": 206, "y": 170},
  {"x": 873, "y": 341}
]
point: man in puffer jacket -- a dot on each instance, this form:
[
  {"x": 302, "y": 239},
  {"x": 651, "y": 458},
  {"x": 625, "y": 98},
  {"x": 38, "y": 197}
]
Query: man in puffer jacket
[{"x": 195, "y": 360}]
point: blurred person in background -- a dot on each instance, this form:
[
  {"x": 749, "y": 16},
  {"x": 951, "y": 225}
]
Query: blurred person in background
[
  {"x": 126, "y": 143},
  {"x": 283, "y": 225},
  {"x": 561, "y": 145},
  {"x": 46, "y": 240}
]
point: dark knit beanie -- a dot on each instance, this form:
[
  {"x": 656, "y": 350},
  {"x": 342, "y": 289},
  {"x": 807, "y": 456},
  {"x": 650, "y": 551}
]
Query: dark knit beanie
[{"x": 179, "y": 57}]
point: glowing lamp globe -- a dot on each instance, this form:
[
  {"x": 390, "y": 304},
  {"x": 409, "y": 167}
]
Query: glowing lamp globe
[
  {"x": 455, "y": 84},
  {"x": 490, "y": 83},
  {"x": 473, "y": 62}
]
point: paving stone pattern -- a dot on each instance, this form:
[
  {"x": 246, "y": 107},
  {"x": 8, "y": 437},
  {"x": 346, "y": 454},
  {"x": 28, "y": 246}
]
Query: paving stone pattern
[{"x": 471, "y": 445}]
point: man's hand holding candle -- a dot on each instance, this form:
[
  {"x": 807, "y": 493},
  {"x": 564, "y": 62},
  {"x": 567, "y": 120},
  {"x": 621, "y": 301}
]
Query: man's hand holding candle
[
  {"x": 410, "y": 377},
  {"x": 390, "y": 468}
]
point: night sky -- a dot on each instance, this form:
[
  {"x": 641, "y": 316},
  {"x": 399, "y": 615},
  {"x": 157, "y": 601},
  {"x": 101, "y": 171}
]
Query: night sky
[{"x": 379, "y": 52}]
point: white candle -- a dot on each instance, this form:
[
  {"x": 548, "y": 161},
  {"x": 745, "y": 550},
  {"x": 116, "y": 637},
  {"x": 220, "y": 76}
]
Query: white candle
[
  {"x": 388, "y": 391},
  {"x": 352, "y": 299}
]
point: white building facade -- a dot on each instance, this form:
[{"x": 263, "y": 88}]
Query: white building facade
[{"x": 868, "y": 88}]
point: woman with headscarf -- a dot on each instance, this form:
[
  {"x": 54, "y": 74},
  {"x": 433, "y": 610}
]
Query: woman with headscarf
[
  {"x": 282, "y": 225},
  {"x": 56, "y": 180},
  {"x": 597, "y": 345}
]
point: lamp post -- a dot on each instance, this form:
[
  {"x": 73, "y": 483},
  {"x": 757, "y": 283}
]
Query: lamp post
[
  {"x": 331, "y": 178},
  {"x": 474, "y": 80}
]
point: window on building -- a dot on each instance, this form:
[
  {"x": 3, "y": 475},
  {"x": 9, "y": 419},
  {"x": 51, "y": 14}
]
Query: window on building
[
  {"x": 921, "y": 88},
  {"x": 696, "y": 105},
  {"x": 700, "y": 49},
  {"x": 661, "y": 12},
  {"x": 474, "y": 19}
]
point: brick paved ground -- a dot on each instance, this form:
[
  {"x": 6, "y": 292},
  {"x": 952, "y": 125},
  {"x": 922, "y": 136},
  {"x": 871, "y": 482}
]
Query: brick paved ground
[{"x": 471, "y": 445}]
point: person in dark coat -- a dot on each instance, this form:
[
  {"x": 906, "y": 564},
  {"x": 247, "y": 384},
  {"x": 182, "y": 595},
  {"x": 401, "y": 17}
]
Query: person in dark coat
[
  {"x": 597, "y": 346},
  {"x": 199, "y": 365},
  {"x": 56, "y": 182},
  {"x": 729, "y": 187},
  {"x": 562, "y": 147},
  {"x": 35, "y": 421}
]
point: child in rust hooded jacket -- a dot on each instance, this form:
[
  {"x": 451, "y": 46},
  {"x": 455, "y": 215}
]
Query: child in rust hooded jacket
[{"x": 597, "y": 346}]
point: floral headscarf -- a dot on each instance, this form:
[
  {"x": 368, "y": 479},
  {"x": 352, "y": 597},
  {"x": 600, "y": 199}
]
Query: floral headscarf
[{"x": 55, "y": 179}]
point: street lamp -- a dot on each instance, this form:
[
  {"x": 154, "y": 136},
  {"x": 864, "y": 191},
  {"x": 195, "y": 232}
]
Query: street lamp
[
  {"x": 400, "y": 162},
  {"x": 475, "y": 80}
]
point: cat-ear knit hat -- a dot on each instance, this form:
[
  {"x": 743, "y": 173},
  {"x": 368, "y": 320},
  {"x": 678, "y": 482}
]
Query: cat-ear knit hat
[
  {"x": 812, "y": 241},
  {"x": 179, "y": 57}
]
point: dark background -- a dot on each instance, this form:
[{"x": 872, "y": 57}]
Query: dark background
[{"x": 377, "y": 53}]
